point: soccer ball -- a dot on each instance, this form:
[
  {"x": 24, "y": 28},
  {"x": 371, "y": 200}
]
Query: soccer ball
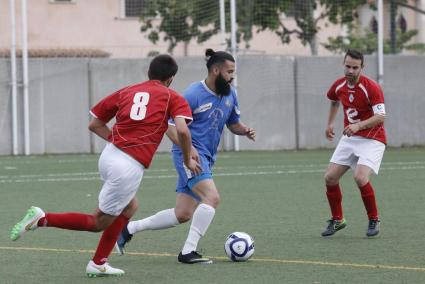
[{"x": 239, "y": 246}]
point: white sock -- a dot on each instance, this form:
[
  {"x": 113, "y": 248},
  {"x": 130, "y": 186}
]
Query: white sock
[
  {"x": 202, "y": 218},
  {"x": 162, "y": 220}
]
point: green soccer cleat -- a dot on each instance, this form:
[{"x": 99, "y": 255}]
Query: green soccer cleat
[
  {"x": 333, "y": 227},
  {"x": 94, "y": 270},
  {"x": 28, "y": 223}
]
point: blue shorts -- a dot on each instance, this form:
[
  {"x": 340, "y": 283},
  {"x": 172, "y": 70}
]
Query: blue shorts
[{"x": 186, "y": 179}]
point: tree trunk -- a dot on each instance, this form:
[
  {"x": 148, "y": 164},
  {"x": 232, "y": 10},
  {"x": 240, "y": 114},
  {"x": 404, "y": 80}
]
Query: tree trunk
[
  {"x": 186, "y": 47},
  {"x": 313, "y": 45}
]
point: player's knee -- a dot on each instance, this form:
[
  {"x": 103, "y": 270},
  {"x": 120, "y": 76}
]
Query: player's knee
[
  {"x": 212, "y": 200},
  {"x": 183, "y": 215},
  {"x": 99, "y": 227},
  {"x": 360, "y": 179},
  {"x": 330, "y": 179},
  {"x": 130, "y": 209},
  {"x": 216, "y": 201}
]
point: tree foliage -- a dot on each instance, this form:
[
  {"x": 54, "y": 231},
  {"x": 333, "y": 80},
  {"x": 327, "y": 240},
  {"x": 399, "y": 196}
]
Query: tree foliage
[
  {"x": 367, "y": 42},
  {"x": 181, "y": 21}
]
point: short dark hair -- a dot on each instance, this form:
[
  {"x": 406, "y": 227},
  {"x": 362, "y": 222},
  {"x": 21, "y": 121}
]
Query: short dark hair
[
  {"x": 354, "y": 53},
  {"x": 162, "y": 67},
  {"x": 217, "y": 57}
]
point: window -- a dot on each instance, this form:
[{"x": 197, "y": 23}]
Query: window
[
  {"x": 62, "y": 1},
  {"x": 402, "y": 23},
  {"x": 374, "y": 25},
  {"x": 133, "y": 8}
]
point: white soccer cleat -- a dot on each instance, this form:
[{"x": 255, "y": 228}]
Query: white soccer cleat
[
  {"x": 94, "y": 270},
  {"x": 28, "y": 223}
]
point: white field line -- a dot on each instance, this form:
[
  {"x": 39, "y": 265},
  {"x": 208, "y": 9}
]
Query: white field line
[
  {"x": 267, "y": 260},
  {"x": 90, "y": 176},
  {"x": 215, "y": 168}
]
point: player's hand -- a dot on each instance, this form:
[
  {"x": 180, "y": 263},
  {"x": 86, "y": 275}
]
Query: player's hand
[
  {"x": 194, "y": 154},
  {"x": 250, "y": 133},
  {"x": 193, "y": 166},
  {"x": 330, "y": 134},
  {"x": 351, "y": 129}
]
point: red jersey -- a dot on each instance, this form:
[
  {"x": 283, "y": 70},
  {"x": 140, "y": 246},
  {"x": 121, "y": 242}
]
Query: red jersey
[
  {"x": 359, "y": 102},
  {"x": 141, "y": 112}
]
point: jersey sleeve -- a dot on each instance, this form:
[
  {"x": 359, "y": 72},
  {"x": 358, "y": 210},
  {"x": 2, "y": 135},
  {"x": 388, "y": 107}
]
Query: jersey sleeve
[
  {"x": 236, "y": 113},
  {"x": 106, "y": 109},
  {"x": 376, "y": 94},
  {"x": 179, "y": 108},
  {"x": 190, "y": 97},
  {"x": 332, "y": 92},
  {"x": 376, "y": 97}
]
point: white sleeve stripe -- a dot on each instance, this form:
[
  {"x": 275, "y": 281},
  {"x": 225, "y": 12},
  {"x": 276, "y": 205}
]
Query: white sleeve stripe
[
  {"x": 364, "y": 90},
  {"x": 185, "y": 117},
  {"x": 340, "y": 86},
  {"x": 93, "y": 114}
]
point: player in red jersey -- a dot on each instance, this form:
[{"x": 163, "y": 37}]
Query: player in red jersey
[
  {"x": 363, "y": 142},
  {"x": 141, "y": 112}
]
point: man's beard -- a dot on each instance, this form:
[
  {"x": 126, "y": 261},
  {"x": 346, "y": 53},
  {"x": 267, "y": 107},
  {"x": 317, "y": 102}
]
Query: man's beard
[
  {"x": 352, "y": 78},
  {"x": 222, "y": 87}
]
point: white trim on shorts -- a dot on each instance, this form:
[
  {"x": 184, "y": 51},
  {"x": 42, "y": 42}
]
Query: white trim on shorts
[
  {"x": 121, "y": 175},
  {"x": 357, "y": 150}
]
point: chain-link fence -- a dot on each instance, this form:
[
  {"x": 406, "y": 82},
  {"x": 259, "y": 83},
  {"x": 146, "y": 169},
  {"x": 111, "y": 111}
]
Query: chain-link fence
[{"x": 139, "y": 28}]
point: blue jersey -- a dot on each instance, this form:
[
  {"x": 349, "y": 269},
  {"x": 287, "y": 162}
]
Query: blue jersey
[{"x": 210, "y": 113}]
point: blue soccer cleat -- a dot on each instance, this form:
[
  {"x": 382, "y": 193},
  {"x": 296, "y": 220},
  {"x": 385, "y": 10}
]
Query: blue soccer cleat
[{"x": 124, "y": 238}]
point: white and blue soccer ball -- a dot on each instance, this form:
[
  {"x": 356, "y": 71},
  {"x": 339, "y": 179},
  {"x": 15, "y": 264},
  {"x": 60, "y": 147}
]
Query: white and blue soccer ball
[{"x": 239, "y": 246}]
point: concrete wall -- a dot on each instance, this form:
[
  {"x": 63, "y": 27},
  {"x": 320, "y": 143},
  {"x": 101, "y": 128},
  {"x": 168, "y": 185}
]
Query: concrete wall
[
  {"x": 404, "y": 89},
  {"x": 5, "y": 108},
  {"x": 266, "y": 92},
  {"x": 282, "y": 97}
]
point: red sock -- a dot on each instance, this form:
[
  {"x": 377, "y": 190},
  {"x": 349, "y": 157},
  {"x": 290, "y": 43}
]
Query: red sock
[
  {"x": 108, "y": 239},
  {"x": 333, "y": 192},
  {"x": 368, "y": 196},
  {"x": 68, "y": 220}
]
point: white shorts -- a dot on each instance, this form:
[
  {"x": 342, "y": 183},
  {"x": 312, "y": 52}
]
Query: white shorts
[
  {"x": 357, "y": 150},
  {"x": 121, "y": 175}
]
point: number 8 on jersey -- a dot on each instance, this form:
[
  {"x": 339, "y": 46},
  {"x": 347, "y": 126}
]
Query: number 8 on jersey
[{"x": 138, "y": 109}]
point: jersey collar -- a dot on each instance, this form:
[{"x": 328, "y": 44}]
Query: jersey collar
[{"x": 208, "y": 89}]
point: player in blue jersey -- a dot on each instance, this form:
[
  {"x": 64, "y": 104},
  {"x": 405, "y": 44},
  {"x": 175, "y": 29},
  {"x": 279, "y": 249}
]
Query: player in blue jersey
[{"x": 214, "y": 104}]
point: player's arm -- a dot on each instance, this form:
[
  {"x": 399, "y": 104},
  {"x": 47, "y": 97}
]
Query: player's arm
[
  {"x": 100, "y": 128},
  {"x": 185, "y": 143},
  {"x": 377, "y": 118},
  {"x": 239, "y": 128},
  {"x": 172, "y": 135},
  {"x": 329, "y": 132}
]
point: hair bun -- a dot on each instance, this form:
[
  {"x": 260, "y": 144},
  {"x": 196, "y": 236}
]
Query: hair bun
[{"x": 209, "y": 52}]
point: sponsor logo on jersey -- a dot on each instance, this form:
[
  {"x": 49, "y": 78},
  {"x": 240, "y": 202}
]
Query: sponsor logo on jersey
[
  {"x": 351, "y": 98},
  {"x": 203, "y": 108}
]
